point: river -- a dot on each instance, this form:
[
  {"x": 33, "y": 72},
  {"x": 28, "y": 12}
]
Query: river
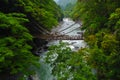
[{"x": 44, "y": 72}]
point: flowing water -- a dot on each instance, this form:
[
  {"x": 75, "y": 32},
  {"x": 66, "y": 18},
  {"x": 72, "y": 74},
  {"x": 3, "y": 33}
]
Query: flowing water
[{"x": 44, "y": 73}]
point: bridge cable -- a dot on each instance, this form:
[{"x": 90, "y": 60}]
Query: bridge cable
[
  {"x": 72, "y": 30},
  {"x": 39, "y": 30},
  {"x": 67, "y": 27},
  {"x": 47, "y": 32}
]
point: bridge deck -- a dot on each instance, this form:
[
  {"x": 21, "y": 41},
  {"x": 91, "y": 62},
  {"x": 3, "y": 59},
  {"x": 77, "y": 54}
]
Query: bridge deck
[{"x": 60, "y": 37}]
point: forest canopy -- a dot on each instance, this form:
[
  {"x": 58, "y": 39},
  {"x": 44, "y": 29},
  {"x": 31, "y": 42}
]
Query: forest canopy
[
  {"x": 102, "y": 30},
  {"x": 18, "y": 22}
]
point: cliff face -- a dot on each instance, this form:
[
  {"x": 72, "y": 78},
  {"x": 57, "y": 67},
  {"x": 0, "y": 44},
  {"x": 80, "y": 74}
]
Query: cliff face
[{"x": 64, "y": 3}]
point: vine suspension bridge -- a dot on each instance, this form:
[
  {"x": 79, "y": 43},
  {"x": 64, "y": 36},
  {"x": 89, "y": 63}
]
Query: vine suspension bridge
[{"x": 47, "y": 35}]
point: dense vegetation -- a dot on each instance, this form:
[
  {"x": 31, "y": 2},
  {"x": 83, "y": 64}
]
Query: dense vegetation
[
  {"x": 17, "y": 17},
  {"x": 101, "y": 20},
  {"x": 68, "y": 64},
  {"x": 68, "y": 9},
  {"x": 64, "y": 3},
  {"x": 101, "y": 61},
  {"x": 67, "y": 6}
]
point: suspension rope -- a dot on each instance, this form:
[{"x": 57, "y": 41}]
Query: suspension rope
[
  {"x": 72, "y": 30},
  {"x": 46, "y": 31},
  {"x": 39, "y": 30},
  {"x": 67, "y": 28}
]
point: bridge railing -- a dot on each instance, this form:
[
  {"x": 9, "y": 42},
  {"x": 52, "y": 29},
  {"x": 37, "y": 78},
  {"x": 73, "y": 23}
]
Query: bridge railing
[
  {"x": 61, "y": 37},
  {"x": 77, "y": 37}
]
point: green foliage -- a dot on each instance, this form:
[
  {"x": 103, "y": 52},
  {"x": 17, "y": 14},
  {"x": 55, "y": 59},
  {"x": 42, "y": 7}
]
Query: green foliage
[
  {"x": 15, "y": 54},
  {"x": 102, "y": 30},
  {"x": 16, "y": 17},
  {"x": 48, "y": 11},
  {"x": 45, "y": 12},
  {"x": 114, "y": 22},
  {"x": 68, "y": 64},
  {"x": 68, "y": 9}
]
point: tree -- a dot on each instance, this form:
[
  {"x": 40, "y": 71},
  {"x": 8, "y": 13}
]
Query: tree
[
  {"x": 15, "y": 54},
  {"x": 101, "y": 24},
  {"x": 68, "y": 64}
]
